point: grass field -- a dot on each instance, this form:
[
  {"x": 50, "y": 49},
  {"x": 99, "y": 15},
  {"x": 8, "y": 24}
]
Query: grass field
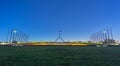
[{"x": 59, "y": 56}]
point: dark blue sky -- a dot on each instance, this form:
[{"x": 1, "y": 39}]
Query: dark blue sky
[{"x": 41, "y": 19}]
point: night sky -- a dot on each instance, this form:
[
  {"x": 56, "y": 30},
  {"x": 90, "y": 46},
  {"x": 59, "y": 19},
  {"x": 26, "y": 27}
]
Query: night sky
[{"x": 42, "y": 19}]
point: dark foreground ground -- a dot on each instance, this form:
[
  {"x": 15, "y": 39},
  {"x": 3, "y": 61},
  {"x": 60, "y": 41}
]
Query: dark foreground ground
[{"x": 59, "y": 56}]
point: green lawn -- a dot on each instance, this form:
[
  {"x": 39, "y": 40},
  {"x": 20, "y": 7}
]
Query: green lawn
[{"x": 59, "y": 56}]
